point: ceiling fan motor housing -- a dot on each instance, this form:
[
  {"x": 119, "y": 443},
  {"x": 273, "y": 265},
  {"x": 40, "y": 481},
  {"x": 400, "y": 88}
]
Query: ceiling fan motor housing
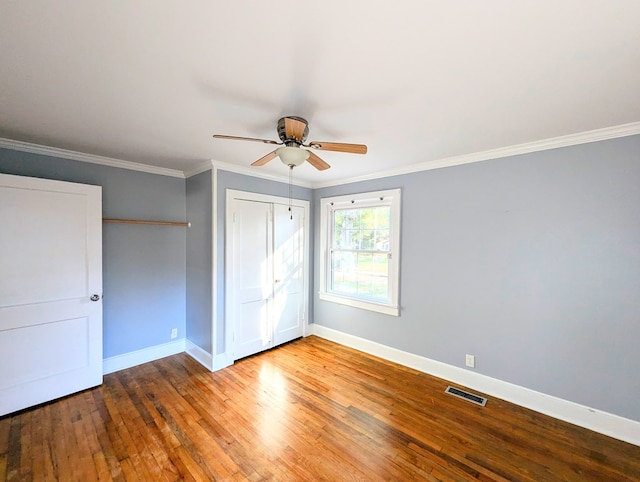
[{"x": 292, "y": 141}]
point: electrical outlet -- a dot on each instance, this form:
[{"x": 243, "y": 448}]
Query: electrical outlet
[
  {"x": 174, "y": 333},
  {"x": 470, "y": 361}
]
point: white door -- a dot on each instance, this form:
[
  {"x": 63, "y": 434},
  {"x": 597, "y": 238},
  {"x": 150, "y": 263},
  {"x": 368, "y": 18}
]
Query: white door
[
  {"x": 50, "y": 268},
  {"x": 252, "y": 277},
  {"x": 288, "y": 273},
  {"x": 266, "y": 273}
]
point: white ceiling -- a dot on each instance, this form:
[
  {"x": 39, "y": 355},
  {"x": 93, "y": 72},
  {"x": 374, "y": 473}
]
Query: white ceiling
[{"x": 417, "y": 81}]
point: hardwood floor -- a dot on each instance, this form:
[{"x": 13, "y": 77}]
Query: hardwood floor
[{"x": 310, "y": 410}]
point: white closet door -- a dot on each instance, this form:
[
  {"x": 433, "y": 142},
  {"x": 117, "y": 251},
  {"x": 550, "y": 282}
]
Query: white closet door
[
  {"x": 50, "y": 268},
  {"x": 288, "y": 267},
  {"x": 266, "y": 272},
  {"x": 252, "y": 276}
]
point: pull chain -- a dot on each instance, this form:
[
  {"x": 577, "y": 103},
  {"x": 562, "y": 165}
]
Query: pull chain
[{"x": 290, "y": 190}]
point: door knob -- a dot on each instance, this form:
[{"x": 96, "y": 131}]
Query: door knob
[
  {"x": 94, "y": 297},
  {"x": 277, "y": 281}
]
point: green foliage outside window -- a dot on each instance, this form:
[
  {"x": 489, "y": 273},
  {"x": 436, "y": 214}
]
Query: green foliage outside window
[{"x": 360, "y": 252}]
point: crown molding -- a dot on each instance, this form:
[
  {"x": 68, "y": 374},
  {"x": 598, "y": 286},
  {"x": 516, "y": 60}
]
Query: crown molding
[
  {"x": 91, "y": 158},
  {"x": 595, "y": 135},
  {"x": 200, "y": 168},
  {"x": 251, "y": 171}
]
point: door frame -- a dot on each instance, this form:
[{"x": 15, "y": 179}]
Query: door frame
[{"x": 229, "y": 322}]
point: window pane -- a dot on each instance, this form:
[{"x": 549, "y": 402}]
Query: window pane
[
  {"x": 343, "y": 272},
  {"x": 366, "y": 228},
  {"x": 373, "y": 276},
  {"x": 380, "y": 288},
  {"x": 365, "y": 285},
  {"x": 380, "y": 265},
  {"x": 364, "y": 262},
  {"x": 381, "y": 242},
  {"x": 363, "y": 274},
  {"x": 383, "y": 216},
  {"x": 338, "y": 238},
  {"x": 367, "y": 218},
  {"x": 367, "y": 239},
  {"x": 346, "y": 218}
]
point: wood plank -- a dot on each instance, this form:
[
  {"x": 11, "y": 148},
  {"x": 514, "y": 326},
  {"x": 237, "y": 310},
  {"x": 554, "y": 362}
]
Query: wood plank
[{"x": 308, "y": 410}]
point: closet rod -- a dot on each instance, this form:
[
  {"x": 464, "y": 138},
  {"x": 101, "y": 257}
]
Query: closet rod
[{"x": 136, "y": 221}]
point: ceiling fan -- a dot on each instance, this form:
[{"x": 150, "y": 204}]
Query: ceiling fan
[{"x": 292, "y": 132}]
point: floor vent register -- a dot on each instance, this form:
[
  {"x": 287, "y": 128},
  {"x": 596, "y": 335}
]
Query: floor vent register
[{"x": 470, "y": 397}]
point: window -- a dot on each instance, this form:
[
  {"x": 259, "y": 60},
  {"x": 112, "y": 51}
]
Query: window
[{"x": 360, "y": 241}]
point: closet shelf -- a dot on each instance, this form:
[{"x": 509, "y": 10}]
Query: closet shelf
[{"x": 137, "y": 221}]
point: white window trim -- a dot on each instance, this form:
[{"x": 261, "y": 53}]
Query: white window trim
[{"x": 362, "y": 200}]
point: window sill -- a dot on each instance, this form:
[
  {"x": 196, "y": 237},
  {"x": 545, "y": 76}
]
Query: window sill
[{"x": 365, "y": 305}]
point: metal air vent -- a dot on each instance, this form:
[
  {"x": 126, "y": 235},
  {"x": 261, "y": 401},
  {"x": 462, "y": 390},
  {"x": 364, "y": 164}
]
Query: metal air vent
[{"x": 456, "y": 392}]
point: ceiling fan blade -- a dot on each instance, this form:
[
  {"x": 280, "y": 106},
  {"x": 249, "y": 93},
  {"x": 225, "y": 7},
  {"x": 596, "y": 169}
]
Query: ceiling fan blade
[
  {"x": 264, "y": 159},
  {"x": 236, "y": 138},
  {"x": 339, "y": 147},
  {"x": 294, "y": 128},
  {"x": 316, "y": 162}
]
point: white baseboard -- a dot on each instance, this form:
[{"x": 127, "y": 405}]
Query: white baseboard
[
  {"x": 206, "y": 359},
  {"x": 221, "y": 361},
  {"x": 138, "y": 357},
  {"x": 590, "y": 418},
  {"x": 198, "y": 354}
]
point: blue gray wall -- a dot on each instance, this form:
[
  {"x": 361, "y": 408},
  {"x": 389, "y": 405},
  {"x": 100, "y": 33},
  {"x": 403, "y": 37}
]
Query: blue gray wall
[
  {"x": 199, "y": 254},
  {"x": 143, "y": 266},
  {"x": 530, "y": 263}
]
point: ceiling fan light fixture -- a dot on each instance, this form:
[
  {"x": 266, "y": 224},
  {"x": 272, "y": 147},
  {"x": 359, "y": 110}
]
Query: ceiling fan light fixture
[
  {"x": 292, "y": 131},
  {"x": 292, "y": 156}
]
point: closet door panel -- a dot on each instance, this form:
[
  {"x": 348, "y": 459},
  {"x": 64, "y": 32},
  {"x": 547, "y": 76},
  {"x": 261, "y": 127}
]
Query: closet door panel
[
  {"x": 288, "y": 267},
  {"x": 251, "y": 277}
]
